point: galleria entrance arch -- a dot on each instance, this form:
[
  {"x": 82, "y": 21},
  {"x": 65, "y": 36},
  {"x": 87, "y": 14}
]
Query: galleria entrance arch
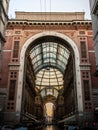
[
  {"x": 76, "y": 59},
  {"x": 77, "y": 67}
]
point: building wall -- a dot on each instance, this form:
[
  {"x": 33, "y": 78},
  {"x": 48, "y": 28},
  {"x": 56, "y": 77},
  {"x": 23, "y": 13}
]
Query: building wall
[
  {"x": 94, "y": 16},
  {"x": 46, "y": 16},
  {"x": 3, "y": 22},
  {"x": 78, "y": 31}
]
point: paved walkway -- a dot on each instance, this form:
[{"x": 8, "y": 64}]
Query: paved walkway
[{"x": 50, "y": 127}]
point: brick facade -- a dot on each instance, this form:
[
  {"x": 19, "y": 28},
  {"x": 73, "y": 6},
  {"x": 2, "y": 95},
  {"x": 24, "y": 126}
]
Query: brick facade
[{"x": 78, "y": 30}]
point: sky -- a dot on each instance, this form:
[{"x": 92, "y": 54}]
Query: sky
[{"x": 49, "y": 6}]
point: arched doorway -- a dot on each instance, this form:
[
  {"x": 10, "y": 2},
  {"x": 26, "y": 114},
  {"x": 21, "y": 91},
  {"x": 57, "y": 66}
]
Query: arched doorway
[
  {"x": 65, "y": 44},
  {"x": 49, "y": 112}
]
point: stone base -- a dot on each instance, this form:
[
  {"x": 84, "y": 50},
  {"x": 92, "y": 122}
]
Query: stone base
[{"x": 11, "y": 118}]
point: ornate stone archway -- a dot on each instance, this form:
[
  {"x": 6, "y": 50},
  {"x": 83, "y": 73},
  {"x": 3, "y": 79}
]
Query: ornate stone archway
[{"x": 77, "y": 67}]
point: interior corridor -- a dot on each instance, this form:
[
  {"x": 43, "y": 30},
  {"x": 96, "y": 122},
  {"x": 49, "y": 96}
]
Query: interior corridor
[{"x": 51, "y": 127}]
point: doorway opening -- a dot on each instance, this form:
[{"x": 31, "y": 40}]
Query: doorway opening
[
  {"x": 49, "y": 112},
  {"x": 50, "y": 69}
]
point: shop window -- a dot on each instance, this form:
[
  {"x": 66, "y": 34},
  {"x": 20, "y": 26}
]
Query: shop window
[
  {"x": 16, "y": 49},
  {"x": 10, "y": 106},
  {"x": 86, "y": 90},
  {"x": 13, "y": 74},
  {"x": 85, "y": 75},
  {"x": 12, "y": 89},
  {"x": 83, "y": 49}
]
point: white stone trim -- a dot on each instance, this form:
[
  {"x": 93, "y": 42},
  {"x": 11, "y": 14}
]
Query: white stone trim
[{"x": 77, "y": 66}]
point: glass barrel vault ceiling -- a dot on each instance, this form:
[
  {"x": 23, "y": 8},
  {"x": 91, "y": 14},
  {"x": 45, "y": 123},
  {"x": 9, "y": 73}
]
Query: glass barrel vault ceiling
[{"x": 49, "y": 61}]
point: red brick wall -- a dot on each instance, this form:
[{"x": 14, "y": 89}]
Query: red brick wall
[{"x": 92, "y": 61}]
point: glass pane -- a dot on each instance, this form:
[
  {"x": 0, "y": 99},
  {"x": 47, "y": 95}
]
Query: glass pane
[{"x": 49, "y": 62}]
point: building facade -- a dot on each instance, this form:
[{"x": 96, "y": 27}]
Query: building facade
[
  {"x": 94, "y": 16},
  {"x": 4, "y": 4},
  {"x": 58, "y": 43},
  {"x": 3, "y": 21}
]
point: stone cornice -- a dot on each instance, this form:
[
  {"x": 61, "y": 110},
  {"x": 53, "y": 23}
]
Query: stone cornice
[
  {"x": 43, "y": 23},
  {"x": 47, "y": 16},
  {"x": 85, "y": 66}
]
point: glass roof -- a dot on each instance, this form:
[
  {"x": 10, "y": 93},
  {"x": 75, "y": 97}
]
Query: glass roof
[
  {"x": 49, "y": 81},
  {"x": 49, "y": 61}
]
